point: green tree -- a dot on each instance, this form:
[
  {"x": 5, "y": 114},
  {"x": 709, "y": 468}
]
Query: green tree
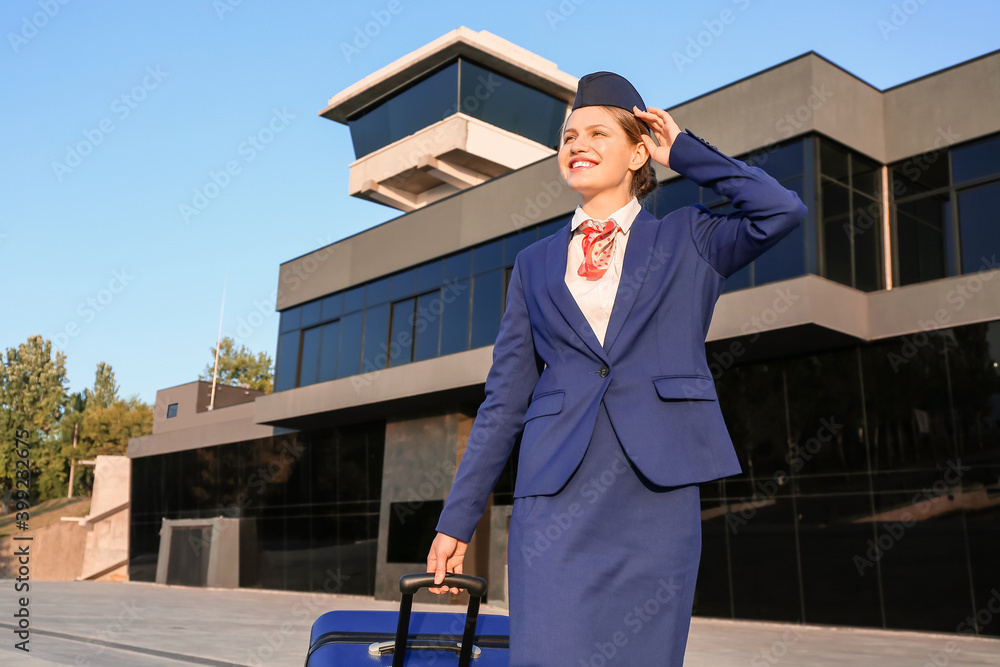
[
  {"x": 105, "y": 391},
  {"x": 106, "y": 430},
  {"x": 241, "y": 368},
  {"x": 32, "y": 398}
]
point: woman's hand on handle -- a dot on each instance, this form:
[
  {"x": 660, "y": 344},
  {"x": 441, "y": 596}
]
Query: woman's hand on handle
[
  {"x": 446, "y": 555},
  {"x": 664, "y": 129}
]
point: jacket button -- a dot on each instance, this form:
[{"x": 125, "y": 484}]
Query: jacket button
[{"x": 604, "y": 371}]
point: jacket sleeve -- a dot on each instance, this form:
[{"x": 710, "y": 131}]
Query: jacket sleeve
[
  {"x": 766, "y": 211},
  {"x": 509, "y": 385}
]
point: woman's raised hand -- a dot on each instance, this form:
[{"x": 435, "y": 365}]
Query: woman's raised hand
[
  {"x": 446, "y": 555},
  {"x": 664, "y": 129}
]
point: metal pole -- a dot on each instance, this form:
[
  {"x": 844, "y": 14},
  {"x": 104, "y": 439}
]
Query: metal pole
[{"x": 72, "y": 460}]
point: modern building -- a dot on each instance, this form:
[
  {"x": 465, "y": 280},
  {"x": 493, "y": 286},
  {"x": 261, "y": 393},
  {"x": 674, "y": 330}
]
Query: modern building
[{"x": 856, "y": 362}]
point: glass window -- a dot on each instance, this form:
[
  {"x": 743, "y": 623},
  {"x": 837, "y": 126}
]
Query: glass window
[
  {"x": 311, "y": 313},
  {"x": 429, "y": 276},
  {"x": 510, "y": 105},
  {"x": 487, "y": 307},
  {"x": 457, "y": 266},
  {"x": 866, "y": 176},
  {"x": 332, "y": 307},
  {"x": 349, "y": 361},
  {"x": 866, "y": 234},
  {"x": 427, "y": 326},
  {"x": 785, "y": 260},
  {"x": 780, "y": 163},
  {"x": 487, "y": 256},
  {"x": 288, "y": 361},
  {"x": 402, "y": 284},
  {"x": 455, "y": 318},
  {"x": 376, "y": 338},
  {"x": 329, "y": 351},
  {"x": 979, "y": 224},
  {"x": 674, "y": 195},
  {"x": 354, "y": 299},
  {"x": 976, "y": 160},
  {"x": 171, "y": 411},
  {"x": 833, "y": 161},
  {"x": 921, "y": 239},
  {"x": 921, "y": 173},
  {"x": 740, "y": 279},
  {"x": 401, "y": 339},
  {"x": 377, "y": 292},
  {"x": 309, "y": 370},
  {"x": 837, "y": 250},
  {"x": 423, "y": 104},
  {"x": 516, "y": 243},
  {"x": 550, "y": 228},
  {"x": 290, "y": 318},
  {"x": 835, "y": 200}
]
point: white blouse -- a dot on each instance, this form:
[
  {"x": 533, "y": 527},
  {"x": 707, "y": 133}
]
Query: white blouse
[{"x": 596, "y": 298}]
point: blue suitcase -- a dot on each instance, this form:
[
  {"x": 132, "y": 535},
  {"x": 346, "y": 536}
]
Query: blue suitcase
[{"x": 385, "y": 638}]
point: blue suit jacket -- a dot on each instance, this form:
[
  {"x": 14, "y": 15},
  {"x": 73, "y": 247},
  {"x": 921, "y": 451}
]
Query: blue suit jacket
[{"x": 550, "y": 373}]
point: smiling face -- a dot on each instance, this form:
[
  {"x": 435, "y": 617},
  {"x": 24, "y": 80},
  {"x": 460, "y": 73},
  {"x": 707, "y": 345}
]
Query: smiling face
[{"x": 595, "y": 155}]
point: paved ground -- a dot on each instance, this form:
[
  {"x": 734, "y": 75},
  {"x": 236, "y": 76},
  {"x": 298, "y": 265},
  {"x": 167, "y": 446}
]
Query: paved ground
[{"x": 104, "y": 624}]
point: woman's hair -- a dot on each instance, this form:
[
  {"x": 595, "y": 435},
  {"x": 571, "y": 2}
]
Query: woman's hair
[{"x": 644, "y": 178}]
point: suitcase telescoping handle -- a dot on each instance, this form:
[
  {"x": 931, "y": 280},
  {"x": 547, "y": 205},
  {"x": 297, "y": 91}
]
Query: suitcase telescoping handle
[{"x": 411, "y": 583}]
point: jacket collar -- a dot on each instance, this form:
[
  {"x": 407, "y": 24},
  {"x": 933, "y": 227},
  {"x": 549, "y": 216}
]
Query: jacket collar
[{"x": 635, "y": 268}]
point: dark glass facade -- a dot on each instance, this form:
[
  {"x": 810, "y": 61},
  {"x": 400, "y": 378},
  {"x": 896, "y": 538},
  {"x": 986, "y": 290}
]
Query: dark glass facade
[
  {"x": 841, "y": 236},
  {"x": 448, "y": 305},
  {"x": 945, "y": 219},
  {"x": 312, "y": 499},
  {"x": 465, "y": 87},
  {"x": 871, "y": 486}
]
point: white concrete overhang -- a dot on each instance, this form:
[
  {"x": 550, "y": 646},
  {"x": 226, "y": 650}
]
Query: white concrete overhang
[
  {"x": 482, "y": 47},
  {"x": 453, "y": 154}
]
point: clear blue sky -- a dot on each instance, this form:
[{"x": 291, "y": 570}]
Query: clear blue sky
[{"x": 95, "y": 253}]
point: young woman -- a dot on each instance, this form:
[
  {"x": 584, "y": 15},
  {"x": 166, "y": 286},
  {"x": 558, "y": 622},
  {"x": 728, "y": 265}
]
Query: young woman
[{"x": 600, "y": 366}]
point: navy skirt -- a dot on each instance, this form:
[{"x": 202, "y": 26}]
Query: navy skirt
[{"x": 603, "y": 572}]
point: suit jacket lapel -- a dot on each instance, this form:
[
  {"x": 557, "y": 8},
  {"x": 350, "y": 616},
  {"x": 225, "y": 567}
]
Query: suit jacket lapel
[
  {"x": 555, "y": 281},
  {"x": 635, "y": 268}
]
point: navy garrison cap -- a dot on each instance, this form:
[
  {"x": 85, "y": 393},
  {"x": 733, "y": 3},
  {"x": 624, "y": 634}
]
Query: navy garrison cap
[{"x": 607, "y": 88}]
